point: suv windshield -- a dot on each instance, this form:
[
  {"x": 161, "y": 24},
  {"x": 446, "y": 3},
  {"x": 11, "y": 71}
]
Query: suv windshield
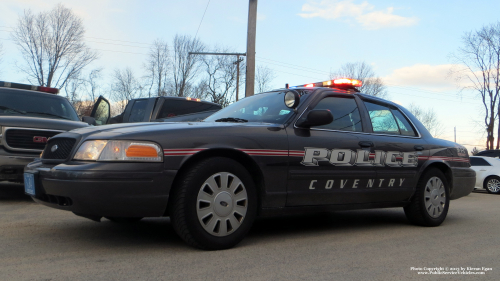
[
  {"x": 266, "y": 108},
  {"x": 27, "y": 103}
]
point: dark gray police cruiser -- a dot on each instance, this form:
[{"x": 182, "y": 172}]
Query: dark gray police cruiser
[{"x": 320, "y": 146}]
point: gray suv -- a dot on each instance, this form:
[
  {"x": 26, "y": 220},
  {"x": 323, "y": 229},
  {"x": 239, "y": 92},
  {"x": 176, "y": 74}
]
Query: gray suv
[{"x": 29, "y": 116}]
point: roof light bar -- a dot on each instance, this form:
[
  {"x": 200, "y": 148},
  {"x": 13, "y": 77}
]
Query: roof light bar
[
  {"x": 29, "y": 87},
  {"x": 341, "y": 83}
]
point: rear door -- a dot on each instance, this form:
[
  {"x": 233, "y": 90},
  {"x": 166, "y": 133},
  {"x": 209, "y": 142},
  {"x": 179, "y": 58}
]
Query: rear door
[
  {"x": 482, "y": 169},
  {"x": 400, "y": 146}
]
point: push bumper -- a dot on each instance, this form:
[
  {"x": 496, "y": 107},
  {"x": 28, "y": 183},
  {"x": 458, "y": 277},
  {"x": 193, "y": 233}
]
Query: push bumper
[
  {"x": 464, "y": 180},
  {"x": 97, "y": 190},
  {"x": 12, "y": 164}
]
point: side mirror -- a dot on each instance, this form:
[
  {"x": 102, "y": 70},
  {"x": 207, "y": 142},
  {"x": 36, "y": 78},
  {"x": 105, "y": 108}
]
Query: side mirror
[
  {"x": 316, "y": 117},
  {"x": 89, "y": 120}
]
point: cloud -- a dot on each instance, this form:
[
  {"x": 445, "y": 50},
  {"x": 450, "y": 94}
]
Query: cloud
[
  {"x": 364, "y": 13},
  {"x": 422, "y": 76}
]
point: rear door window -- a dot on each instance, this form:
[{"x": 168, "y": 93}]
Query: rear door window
[
  {"x": 474, "y": 161},
  {"x": 138, "y": 111},
  {"x": 388, "y": 121},
  {"x": 173, "y": 108}
]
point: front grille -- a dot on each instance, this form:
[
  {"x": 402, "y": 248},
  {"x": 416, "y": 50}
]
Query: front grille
[
  {"x": 64, "y": 147},
  {"x": 25, "y": 138}
]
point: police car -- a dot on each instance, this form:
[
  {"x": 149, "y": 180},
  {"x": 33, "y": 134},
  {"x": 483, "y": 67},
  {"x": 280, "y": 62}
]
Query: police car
[{"x": 320, "y": 146}]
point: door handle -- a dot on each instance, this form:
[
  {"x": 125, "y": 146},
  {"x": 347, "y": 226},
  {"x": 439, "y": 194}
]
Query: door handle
[
  {"x": 365, "y": 144},
  {"x": 418, "y": 147},
  {"x": 482, "y": 170}
]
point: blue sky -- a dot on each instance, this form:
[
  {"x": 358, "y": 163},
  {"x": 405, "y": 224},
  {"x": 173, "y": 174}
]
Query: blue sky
[{"x": 408, "y": 43}]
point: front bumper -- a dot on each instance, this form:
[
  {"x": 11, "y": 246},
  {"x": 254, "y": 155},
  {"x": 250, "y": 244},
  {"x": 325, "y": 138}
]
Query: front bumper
[
  {"x": 12, "y": 164},
  {"x": 464, "y": 180},
  {"x": 103, "y": 189}
]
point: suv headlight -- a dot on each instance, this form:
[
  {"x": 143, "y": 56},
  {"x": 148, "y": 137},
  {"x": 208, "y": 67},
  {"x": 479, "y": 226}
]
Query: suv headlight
[{"x": 118, "y": 150}]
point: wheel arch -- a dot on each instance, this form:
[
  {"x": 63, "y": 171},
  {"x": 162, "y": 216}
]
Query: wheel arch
[
  {"x": 236, "y": 155},
  {"x": 444, "y": 168}
]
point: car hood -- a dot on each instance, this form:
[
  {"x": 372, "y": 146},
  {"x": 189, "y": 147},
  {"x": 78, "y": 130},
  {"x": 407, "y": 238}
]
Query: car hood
[
  {"x": 40, "y": 123},
  {"x": 139, "y": 130}
]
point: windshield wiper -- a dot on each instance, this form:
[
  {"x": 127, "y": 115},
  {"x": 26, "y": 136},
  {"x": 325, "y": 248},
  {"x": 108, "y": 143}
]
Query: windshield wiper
[
  {"x": 50, "y": 114},
  {"x": 13, "y": 109},
  {"x": 231, "y": 119}
]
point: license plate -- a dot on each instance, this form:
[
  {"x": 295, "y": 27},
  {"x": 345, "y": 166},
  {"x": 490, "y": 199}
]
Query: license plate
[{"x": 29, "y": 184}]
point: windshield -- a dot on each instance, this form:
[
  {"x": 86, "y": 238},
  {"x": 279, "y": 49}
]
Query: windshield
[
  {"x": 35, "y": 105},
  {"x": 266, "y": 108}
]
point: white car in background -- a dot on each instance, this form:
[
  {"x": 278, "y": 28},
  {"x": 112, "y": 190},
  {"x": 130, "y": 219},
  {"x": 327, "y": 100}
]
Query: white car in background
[{"x": 487, "y": 173}]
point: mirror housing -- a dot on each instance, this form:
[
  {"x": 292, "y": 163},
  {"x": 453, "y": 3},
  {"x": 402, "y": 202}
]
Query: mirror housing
[
  {"x": 89, "y": 120},
  {"x": 292, "y": 99},
  {"x": 316, "y": 117}
]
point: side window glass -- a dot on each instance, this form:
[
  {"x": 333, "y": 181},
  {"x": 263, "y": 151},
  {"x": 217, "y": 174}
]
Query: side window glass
[
  {"x": 101, "y": 114},
  {"x": 173, "y": 108},
  {"x": 138, "y": 111},
  {"x": 404, "y": 125},
  {"x": 345, "y": 114},
  {"x": 382, "y": 119},
  {"x": 478, "y": 162}
]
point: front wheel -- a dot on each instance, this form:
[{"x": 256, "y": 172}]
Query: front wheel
[
  {"x": 492, "y": 185},
  {"x": 429, "y": 206},
  {"x": 214, "y": 204}
]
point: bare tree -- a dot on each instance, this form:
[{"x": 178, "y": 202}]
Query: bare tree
[
  {"x": 428, "y": 118},
  {"x": 184, "y": 66},
  {"x": 92, "y": 83},
  {"x": 125, "y": 87},
  {"x": 479, "y": 71},
  {"x": 372, "y": 85},
  {"x": 52, "y": 45},
  {"x": 157, "y": 68},
  {"x": 474, "y": 151},
  {"x": 264, "y": 76},
  {"x": 221, "y": 72}
]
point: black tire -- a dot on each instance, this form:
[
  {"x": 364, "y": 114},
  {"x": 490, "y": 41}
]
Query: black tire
[
  {"x": 124, "y": 220},
  {"x": 488, "y": 184},
  {"x": 429, "y": 208},
  {"x": 185, "y": 205}
]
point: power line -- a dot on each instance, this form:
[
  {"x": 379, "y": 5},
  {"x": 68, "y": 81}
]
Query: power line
[
  {"x": 266, "y": 60},
  {"x": 202, "y": 19}
]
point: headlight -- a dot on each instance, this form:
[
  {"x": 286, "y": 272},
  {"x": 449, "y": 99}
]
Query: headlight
[{"x": 114, "y": 150}]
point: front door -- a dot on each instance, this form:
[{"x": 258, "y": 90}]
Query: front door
[
  {"x": 330, "y": 164},
  {"x": 101, "y": 111}
]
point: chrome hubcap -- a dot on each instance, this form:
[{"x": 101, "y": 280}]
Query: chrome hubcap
[
  {"x": 493, "y": 185},
  {"x": 222, "y": 204},
  {"x": 435, "y": 197}
]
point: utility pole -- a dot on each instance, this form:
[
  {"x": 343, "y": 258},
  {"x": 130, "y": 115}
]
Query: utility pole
[
  {"x": 237, "y": 62},
  {"x": 251, "y": 34}
]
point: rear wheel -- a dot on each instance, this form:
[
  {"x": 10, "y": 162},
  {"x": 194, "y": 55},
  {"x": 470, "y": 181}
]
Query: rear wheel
[
  {"x": 492, "y": 185},
  {"x": 214, "y": 205},
  {"x": 429, "y": 205}
]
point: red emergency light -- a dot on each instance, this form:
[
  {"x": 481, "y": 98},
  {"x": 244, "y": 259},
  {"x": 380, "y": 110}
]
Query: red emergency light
[
  {"x": 340, "y": 83},
  {"x": 29, "y": 87}
]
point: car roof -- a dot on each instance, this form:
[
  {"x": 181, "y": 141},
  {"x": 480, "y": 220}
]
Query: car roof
[{"x": 31, "y": 92}]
